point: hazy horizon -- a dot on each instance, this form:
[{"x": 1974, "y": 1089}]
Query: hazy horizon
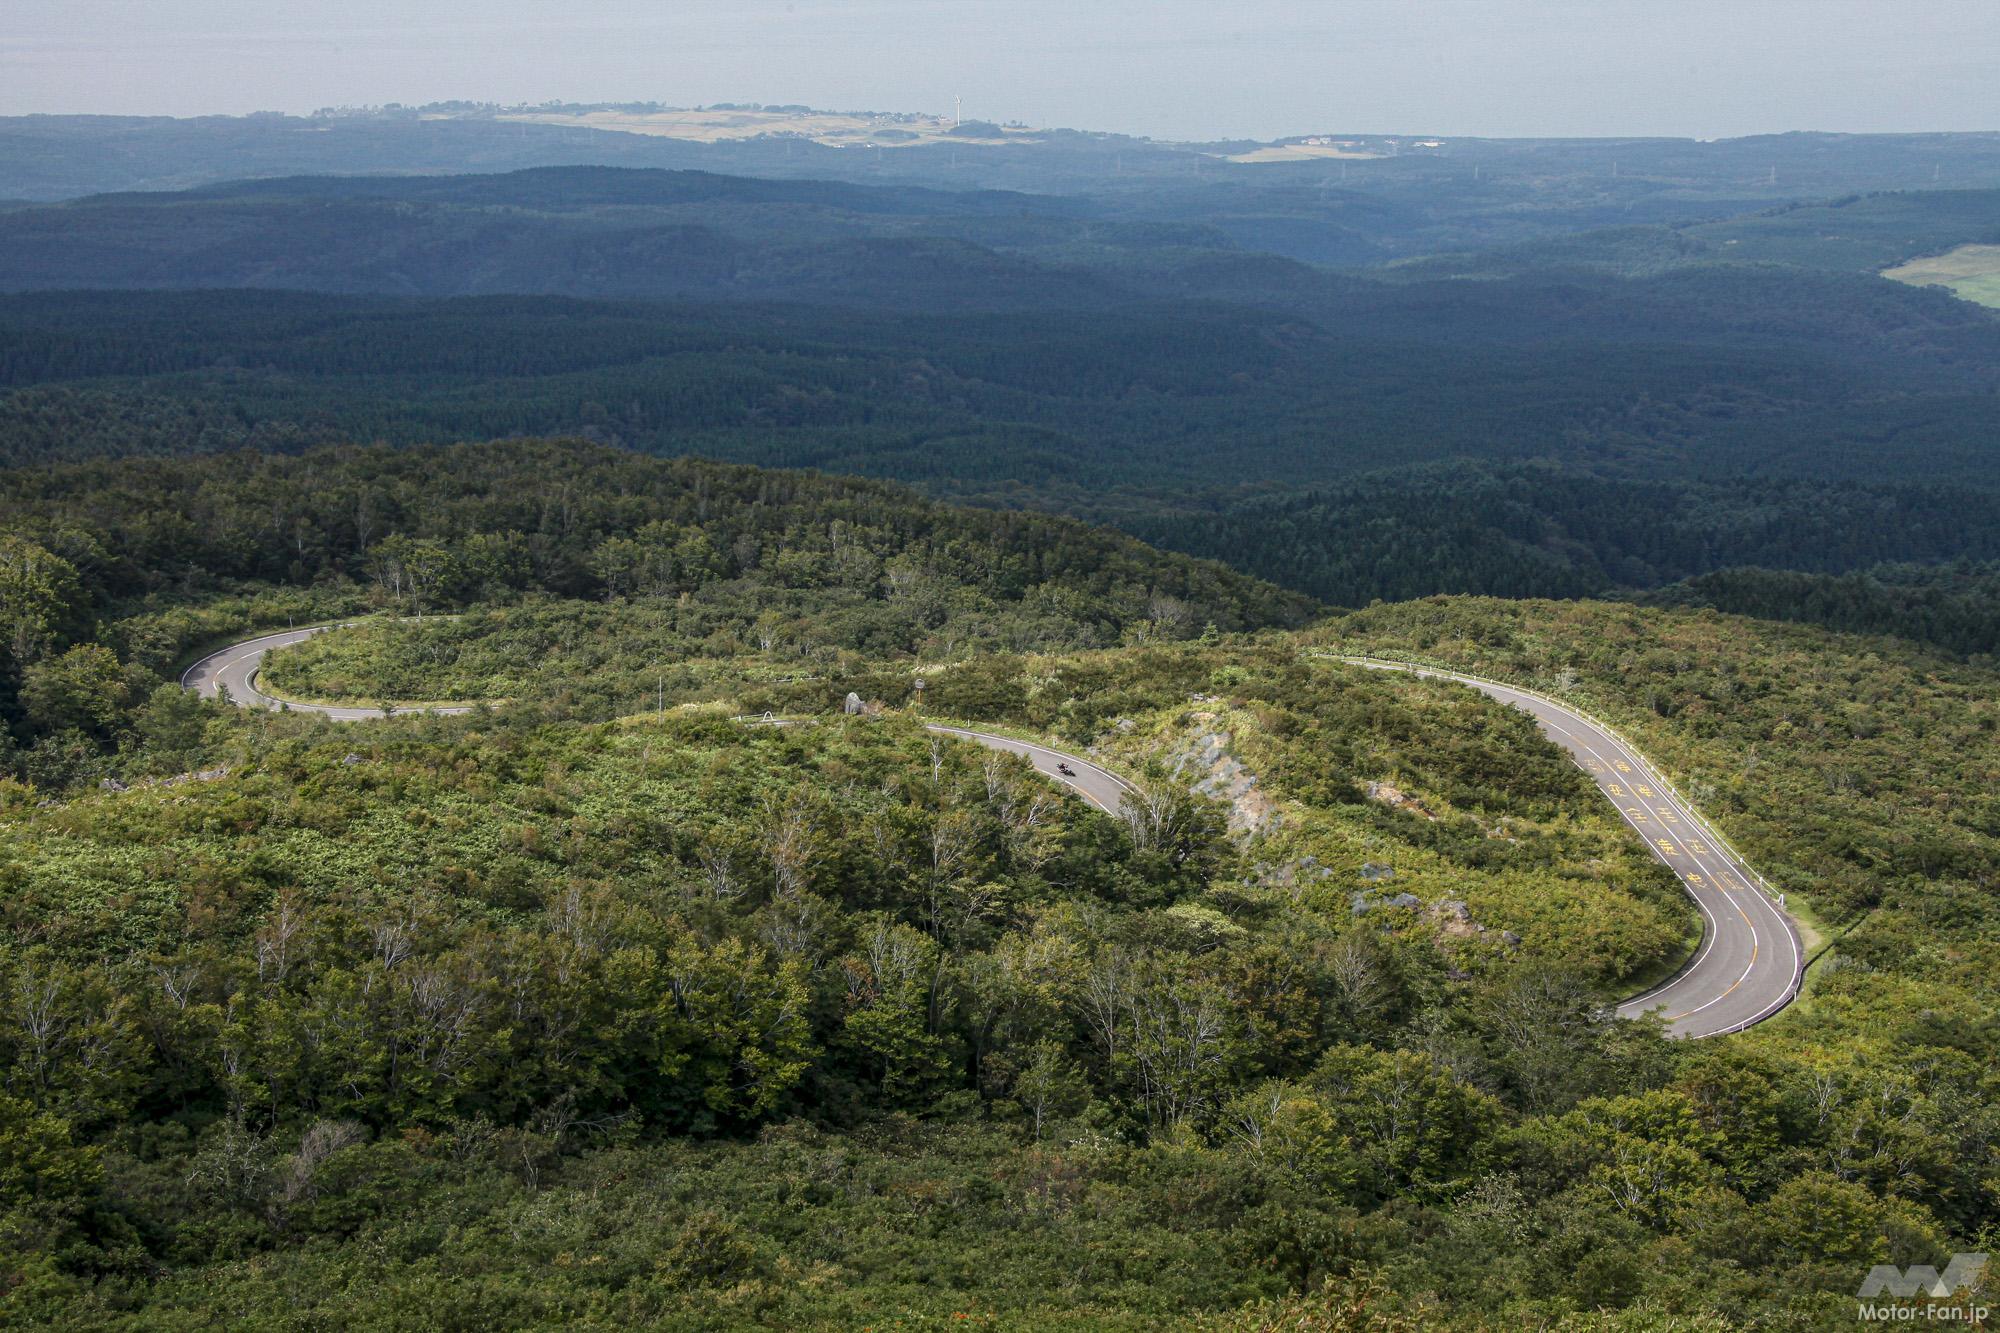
[{"x": 1174, "y": 70}]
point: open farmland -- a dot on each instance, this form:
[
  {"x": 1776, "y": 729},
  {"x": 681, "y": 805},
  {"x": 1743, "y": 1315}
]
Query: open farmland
[{"x": 1970, "y": 271}]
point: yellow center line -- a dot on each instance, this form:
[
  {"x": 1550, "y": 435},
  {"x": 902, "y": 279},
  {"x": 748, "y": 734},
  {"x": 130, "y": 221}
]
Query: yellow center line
[{"x": 1732, "y": 985}]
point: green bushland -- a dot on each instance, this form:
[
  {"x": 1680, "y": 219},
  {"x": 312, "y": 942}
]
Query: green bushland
[
  {"x": 518, "y": 939},
  {"x": 555, "y": 1014},
  {"x": 359, "y": 1010},
  {"x": 1860, "y": 773},
  {"x": 113, "y": 574}
]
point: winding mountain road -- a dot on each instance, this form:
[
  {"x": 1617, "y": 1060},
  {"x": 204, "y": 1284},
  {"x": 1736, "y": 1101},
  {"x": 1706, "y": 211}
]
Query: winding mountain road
[
  {"x": 1747, "y": 967},
  {"x": 1750, "y": 961},
  {"x": 235, "y": 668},
  {"x": 1100, "y": 786}
]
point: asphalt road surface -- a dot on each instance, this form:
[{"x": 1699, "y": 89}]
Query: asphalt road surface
[
  {"x": 1749, "y": 961},
  {"x": 1100, "y": 786},
  {"x": 236, "y": 666}
]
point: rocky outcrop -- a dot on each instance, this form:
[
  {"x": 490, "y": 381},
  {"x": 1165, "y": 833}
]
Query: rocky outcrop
[
  {"x": 1211, "y": 770},
  {"x": 1396, "y": 798},
  {"x": 1454, "y": 921}
]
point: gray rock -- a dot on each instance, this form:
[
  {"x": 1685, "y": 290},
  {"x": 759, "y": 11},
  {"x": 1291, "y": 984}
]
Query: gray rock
[
  {"x": 853, "y": 705},
  {"x": 351, "y": 759},
  {"x": 112, "y": 784},
  {"x": 1375, "y": 870}
]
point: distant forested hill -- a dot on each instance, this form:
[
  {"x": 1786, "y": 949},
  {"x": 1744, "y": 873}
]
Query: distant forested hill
[
  {"x": 1407, "y": 194},
  {"x": 1852, "y": 427},
  {"x": 1616, "y": 410},
  {"x": 1854, "y": 234},
  {"x": 601, "y": 233},
  {"x": 1525, "y": 531}
]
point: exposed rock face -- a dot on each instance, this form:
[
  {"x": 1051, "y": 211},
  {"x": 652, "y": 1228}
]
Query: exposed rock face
[
  {"x": 1293, "y": 875},
  {"x": 853, "y": 705},
  {"x": 1366, "y": 902},
  {"x": 1454, "y": 921},
  {"x": 1454, "y": 918},
  {"x": 1396, "y": 798},
  {"x": 202, "y": 775},
  {"x": 1217, "y": 773}
]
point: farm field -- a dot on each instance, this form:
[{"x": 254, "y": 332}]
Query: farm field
[{"x": 1971, "y": 272}]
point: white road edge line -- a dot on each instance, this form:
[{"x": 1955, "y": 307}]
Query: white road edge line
[{"x": 1740, "y": 869}]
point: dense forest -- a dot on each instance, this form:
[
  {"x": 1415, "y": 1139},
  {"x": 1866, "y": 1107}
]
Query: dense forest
[
  {"x": 596, "y": 1006},
  {"x": 1608, "y": 412},
  {"x": 1357, "y": 469},
  {"x": 1526, "y": 531},
  {"x": 1955, "y": 607},
  {"x": 1857, "y": 233}
]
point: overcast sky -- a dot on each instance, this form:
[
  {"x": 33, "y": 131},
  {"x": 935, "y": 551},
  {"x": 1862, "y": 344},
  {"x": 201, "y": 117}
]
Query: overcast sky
[{"x": 1184, "y": 69}]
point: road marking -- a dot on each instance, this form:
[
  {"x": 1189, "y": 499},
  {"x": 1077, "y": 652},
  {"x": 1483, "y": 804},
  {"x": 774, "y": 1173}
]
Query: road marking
[{"x": 1586, "y": 756}]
